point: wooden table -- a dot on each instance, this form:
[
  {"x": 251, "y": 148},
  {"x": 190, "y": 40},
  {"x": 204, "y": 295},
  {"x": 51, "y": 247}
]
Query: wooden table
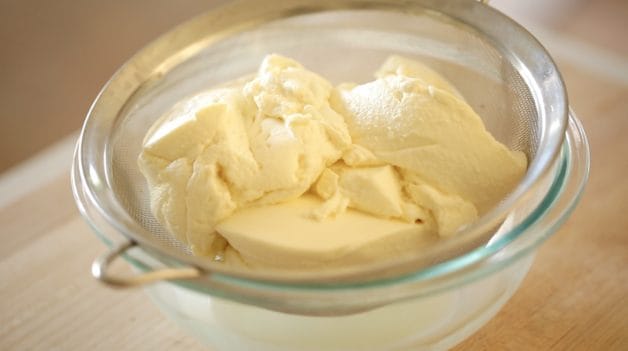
[{"x": 574, "y": 298}]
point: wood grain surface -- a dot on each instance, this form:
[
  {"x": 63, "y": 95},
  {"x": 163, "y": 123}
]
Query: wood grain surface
[{"x": 574, "y": 298}]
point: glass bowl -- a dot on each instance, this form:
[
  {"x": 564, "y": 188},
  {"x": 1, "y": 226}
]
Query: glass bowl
[{"x": 428, "y": 301}]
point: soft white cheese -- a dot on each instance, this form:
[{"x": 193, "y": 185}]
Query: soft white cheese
[
  {"x": 435, "y": 140},
  {"x": 261, "y": 143},
  {"x": 292, "y": 172}
]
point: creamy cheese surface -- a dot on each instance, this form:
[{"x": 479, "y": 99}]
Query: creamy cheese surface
[{"x": 285, "y": 170}]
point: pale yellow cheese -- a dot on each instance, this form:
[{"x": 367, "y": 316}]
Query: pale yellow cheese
[
  {"x": 282, "y": 169},
  {"x": 431, "y": 137},
  {"x": 260, "y": 142},
  {"x": 400, "y": 66},
  {"x": 285, "y": 235}
]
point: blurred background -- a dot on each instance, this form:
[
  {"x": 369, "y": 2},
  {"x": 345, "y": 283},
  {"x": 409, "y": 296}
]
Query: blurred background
[{"x": 56, "y": 55}]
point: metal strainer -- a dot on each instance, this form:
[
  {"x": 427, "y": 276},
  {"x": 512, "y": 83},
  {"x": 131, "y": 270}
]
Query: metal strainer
[{"x": 500, "y": 69}]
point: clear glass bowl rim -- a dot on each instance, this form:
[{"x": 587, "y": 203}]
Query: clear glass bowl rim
[
  {"x": 561, "y": 199},
  {"x": 81, "y": 181}
]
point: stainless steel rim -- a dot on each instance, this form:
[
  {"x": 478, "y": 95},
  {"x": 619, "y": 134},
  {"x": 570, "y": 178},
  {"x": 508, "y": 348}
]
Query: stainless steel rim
[{"x": 150, "y": 63}]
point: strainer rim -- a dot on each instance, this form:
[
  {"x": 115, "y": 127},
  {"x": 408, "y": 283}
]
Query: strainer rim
[{"x": 487, "y": 221}]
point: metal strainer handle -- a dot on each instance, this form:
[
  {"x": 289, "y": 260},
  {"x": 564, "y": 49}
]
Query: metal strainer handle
[{"x": 100, "y": 270}]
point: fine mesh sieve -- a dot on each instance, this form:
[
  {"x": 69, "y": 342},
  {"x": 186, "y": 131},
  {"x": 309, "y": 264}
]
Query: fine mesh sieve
[{"x": 502, "y": 72}]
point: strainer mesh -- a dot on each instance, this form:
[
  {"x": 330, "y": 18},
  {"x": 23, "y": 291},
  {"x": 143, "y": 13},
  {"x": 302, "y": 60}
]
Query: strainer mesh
[{"x": 342, "y": 46}]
